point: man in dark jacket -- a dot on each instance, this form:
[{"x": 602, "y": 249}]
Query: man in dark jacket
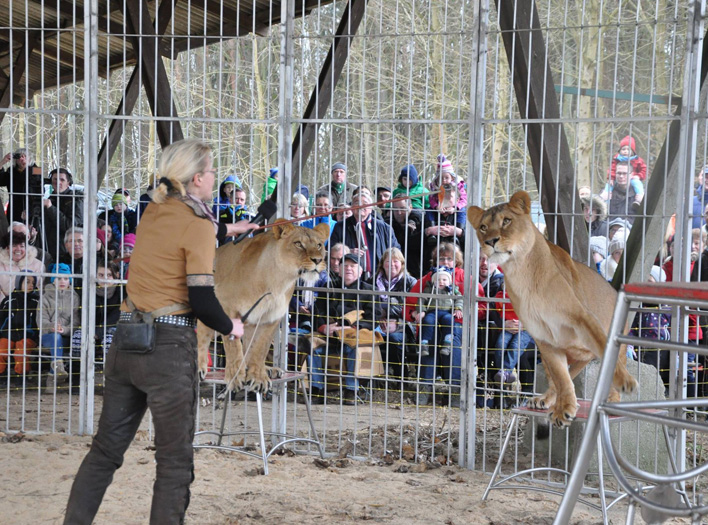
[
  {"x": 366, "y": 235},
  {"x": 23, "y": 180},
  {"x": 339, "y": 190},
  {"x": 622, "y": 202},
  {"x": 63, "y": 209},
  {"x": 407, "y": 225},
  {"x": 335, "y": 312}
]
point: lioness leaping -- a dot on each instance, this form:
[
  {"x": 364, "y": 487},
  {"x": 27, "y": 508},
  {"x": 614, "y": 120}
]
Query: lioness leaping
[
  {"x": 271, "y": 262},
  {"x": 566, "y": 306}
]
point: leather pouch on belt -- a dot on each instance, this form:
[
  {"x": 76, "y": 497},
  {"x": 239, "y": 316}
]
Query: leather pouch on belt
[{"x": 136, "y": 336}]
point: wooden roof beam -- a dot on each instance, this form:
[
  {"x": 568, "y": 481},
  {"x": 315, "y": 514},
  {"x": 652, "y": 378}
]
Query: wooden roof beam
[
  {"x": 130, "y": 97},
  {"x": 7, "y": 88},
  {"x": 321, "y": 96}
]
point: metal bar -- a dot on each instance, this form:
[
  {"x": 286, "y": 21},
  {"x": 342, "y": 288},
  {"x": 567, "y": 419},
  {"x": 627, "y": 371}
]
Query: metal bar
[
  {"x": 547, "y": 143},
  {"x": 618, "y": 95},
  {"x": 592, "y": 425},
  {"x": 665, "y": 345},
  {"x": 88, "y": 298},
  {"x": 468, "y": 424}
]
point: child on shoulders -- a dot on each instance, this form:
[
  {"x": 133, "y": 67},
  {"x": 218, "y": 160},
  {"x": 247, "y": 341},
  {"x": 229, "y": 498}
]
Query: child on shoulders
[
  {"x": 627, "y": 155},
  {"x": 409, "y": 184}
]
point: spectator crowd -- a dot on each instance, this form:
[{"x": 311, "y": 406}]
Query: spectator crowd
[{"x": 394, "y": 278}]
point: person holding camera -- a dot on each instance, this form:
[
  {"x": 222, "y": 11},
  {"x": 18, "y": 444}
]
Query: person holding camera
[{"x": 23, "y": 180}]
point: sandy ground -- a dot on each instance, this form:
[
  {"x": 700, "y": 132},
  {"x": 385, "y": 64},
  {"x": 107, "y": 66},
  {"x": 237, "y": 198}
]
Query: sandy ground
[
  {"x": 399, "y": 484},
  {"x": 37, "y": 473}
]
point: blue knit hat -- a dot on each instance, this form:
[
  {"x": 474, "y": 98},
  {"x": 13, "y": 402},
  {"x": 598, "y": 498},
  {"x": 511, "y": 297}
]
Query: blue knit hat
[
  {"x": 60, "y": 268},
  {"x": 303, "y": 190},
  {"x": 441, "y": 270},
  {"x": 410, "y": 172},
  {"x": 273, "y": 173},
  {"x": 339, "y": 166}
]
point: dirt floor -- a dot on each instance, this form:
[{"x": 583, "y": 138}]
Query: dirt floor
[
  {"x": 37, "y": 472},
  {"x": 410, "y": 475}
]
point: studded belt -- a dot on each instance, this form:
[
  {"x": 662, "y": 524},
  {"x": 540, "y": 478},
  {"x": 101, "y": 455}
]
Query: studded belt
[{"x": 177, "y": 320}]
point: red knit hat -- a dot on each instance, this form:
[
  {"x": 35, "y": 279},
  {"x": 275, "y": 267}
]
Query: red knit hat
[
  {"x": 101, "y": 234},
  {"x": 628, "y": 141}
]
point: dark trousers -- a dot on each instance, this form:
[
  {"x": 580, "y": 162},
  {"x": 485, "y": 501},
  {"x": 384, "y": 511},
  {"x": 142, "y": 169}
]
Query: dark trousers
[{"x": 165, "y": 381}]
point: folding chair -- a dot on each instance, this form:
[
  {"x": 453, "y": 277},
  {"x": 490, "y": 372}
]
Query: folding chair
[{"x": 669, "y": 498}]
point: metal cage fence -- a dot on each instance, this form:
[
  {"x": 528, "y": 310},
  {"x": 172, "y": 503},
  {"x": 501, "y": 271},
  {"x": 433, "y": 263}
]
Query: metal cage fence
[{"x": 515, "y": 95}]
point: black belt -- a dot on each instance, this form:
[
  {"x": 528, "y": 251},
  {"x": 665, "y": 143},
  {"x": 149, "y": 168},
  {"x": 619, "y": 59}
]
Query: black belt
[{"x": 177, "y": 320}]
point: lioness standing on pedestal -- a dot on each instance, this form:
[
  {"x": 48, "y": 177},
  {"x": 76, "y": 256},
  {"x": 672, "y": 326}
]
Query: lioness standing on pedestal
[
  {"x": 566, "y": 306},
  {"x": 270, "y": 263}
]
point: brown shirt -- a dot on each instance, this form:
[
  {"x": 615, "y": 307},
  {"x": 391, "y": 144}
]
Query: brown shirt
[{"x": 171, "y": 242}]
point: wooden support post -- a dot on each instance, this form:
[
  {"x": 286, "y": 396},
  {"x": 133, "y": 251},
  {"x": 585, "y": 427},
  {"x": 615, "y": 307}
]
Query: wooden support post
[
  {"x": 155, "y": 81},
  {"x": 327, "y": 81},
  {"x": 130, "y": 97},
  {"x": 547, "y": 143}
]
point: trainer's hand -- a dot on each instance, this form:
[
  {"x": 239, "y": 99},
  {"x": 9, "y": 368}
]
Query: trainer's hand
[
  {"x": 237, "y": 330},
  {"x": 237, "y": 228}
]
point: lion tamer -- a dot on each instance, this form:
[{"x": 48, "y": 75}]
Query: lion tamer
[{"x": 566, "y": 306}]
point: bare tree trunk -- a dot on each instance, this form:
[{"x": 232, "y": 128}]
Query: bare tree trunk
[
  {"x": 260, "y": 129},
  {"x": 436, "y": 94},
  {"x": 501, "y": 93},
  {"x": 587, "y": 74}
]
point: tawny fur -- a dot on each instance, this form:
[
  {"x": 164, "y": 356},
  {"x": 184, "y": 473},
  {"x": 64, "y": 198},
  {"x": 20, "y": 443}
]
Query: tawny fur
[
  {"x": 565, "y": 305},
  {"x": 270, "y": 262}
]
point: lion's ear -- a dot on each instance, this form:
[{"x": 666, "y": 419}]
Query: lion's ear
[
  {"x": 521, "y": 202},
  {"x": 282, "y": 228},
  {"x": 322, "y": 230},
  {"x": 474, "y": 215}
]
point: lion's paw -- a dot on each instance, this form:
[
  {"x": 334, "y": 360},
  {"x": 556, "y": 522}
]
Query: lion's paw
[
  {"x": 235, "y": 377},
  {"x": 625, "y": 382},
  {"x": 544, "y": 402},
  {"x": 613, "y": 396},
  {"x": 258, "y": 380},
  {"x": 274, "y": 372},
  {"x": 563, "y": 413},
  {"x": 203, "y": 364}
]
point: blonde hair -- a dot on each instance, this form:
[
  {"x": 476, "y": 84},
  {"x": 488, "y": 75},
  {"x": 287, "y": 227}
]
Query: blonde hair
[
  {"x": 391, "y": 253},
  {"x": 300, "y": 200},
  {"x": 178, "y": 164}
]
